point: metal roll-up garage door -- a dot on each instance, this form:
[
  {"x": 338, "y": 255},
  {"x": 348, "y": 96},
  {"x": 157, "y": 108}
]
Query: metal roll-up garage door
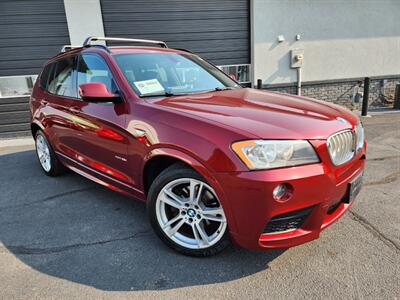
[
  {"x": 217, "y": 30},
  {"x": 31, "y": 32}
]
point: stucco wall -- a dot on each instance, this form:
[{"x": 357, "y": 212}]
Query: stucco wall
[{"x": 341, "y": 39}]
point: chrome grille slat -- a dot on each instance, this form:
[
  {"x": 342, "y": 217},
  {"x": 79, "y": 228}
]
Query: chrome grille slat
[
  {"x": 345, "y": 138},
  {"x": 341, "y": 147},
  {"x": 342, "y": 144}
]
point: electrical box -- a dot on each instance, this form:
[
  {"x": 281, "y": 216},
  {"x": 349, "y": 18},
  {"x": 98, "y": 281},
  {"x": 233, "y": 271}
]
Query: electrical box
[{"x": 296, "y": 58}]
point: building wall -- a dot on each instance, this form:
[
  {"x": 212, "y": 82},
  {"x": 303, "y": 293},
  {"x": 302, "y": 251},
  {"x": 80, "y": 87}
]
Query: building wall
[
  {"x": 217, "y": 30},
  {"x": 347, "y": 93},
  {"x": 30, "y": 32},
  {"x": 84, "y": 19},
  {"x": 341, "y": 39}
]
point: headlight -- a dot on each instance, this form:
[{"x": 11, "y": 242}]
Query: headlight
[
  {"x": 270, "y": 154},
  {"x": 359, "y": 136}
]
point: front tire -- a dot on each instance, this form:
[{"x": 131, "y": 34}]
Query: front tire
[
  {"x": 47, "y": 158},
  {"x": 186, "y": 213}
]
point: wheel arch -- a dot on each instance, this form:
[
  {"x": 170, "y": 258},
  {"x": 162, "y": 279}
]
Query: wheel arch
[
  {"x": 178, "y": 156},
  {"x": 161, "y": 158},
  {"x": 35, "y": 126}
]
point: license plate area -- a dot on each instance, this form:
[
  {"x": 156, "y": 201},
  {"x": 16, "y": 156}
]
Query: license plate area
[{"x": 354, "y": 188}]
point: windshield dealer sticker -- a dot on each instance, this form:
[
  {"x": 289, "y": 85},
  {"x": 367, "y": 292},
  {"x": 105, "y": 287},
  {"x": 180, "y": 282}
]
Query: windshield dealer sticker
[{"x": 150, "y": 86}]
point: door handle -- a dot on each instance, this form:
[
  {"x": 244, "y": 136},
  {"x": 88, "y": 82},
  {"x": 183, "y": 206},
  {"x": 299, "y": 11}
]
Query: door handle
[
  {"x": 74, "y": 109},
  {"x": 44, "y": 102}
]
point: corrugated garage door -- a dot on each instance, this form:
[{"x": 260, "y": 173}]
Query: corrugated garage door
[
  {"x": 217, "y": 30},
  {"x": 30, "y": 33}
]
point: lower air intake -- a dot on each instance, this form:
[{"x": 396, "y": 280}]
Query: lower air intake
[{"x": 287, "y": 222}]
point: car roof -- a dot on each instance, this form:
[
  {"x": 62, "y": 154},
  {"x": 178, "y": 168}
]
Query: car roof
[{"x": 116, "y": 50}]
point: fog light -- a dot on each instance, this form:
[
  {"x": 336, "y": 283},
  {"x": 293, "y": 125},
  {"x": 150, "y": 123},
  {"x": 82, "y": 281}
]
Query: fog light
[{"x": 282, "y": 192}]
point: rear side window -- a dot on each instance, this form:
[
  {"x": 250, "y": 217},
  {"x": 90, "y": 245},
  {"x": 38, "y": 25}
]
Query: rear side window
[
  {"x": 62, "y": 80},
  {"x": 44, "y": 77}
]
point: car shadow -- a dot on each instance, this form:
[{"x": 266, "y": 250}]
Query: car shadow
[{"x": 71, "y": 228}]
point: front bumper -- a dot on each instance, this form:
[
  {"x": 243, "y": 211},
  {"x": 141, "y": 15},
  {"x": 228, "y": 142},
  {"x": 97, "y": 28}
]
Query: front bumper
[{"x": 249, "y": 205}]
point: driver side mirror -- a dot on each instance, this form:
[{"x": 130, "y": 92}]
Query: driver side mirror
[{"x": 97, "y": 92}]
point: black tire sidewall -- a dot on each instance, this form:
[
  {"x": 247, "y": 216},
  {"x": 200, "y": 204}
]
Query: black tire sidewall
[{"x": 175, "y": 172}]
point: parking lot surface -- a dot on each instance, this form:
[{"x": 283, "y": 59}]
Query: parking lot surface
[{"x": 68, "y": 237}]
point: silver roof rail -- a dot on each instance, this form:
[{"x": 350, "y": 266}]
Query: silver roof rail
[
  {"x": 90, "y": 39},
  {"x": 66, "y": 48}
]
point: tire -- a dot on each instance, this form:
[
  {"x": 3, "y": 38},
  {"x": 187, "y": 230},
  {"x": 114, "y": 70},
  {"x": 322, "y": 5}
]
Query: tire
[
  {"x": 203, "y": 230},
  {"x": 48, "y": 160}
]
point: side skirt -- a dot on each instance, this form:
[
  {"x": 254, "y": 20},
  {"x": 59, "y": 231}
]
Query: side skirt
[{"x": 100, "y": 178}]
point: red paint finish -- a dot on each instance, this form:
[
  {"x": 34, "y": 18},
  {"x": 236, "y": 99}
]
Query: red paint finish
[
  {"x": 101, "y": 141},
  {"x": 109, "y": 134},
  {"x": 94, "y": 90}
]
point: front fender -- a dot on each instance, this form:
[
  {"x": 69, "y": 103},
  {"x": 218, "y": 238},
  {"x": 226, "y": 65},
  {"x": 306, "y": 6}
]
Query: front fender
[{"x": 203, "y": 171}]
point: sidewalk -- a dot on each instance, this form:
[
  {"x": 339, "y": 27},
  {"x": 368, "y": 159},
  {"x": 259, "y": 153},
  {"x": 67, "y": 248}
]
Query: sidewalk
[
  {"x": 383, "y": 110},
  {"x": 16, "y": 145}
]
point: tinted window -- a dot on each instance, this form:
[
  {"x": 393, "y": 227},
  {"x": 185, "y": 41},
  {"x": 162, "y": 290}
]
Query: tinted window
[
  {"x": 62, "y": 81},
  {"x": 44, "y": 77},
  {"x": 92, "y": 68}
]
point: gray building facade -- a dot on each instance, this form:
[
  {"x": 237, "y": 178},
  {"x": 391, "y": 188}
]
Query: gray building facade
[{"x": 340, "y": 42}]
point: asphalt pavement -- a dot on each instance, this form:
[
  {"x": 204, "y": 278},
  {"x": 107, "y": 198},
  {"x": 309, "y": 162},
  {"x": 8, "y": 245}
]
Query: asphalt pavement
[{"x": 69, "y": 238}]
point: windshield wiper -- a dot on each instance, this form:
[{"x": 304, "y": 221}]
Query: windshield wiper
[
  {"x": 224, "y": 88},
  {"x": 166, "y": 94}
]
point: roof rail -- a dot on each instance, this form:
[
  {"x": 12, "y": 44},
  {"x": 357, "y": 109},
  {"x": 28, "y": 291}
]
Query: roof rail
[
  {"x": 66, "y": 48},
  {"x": 87, "y": 42}
]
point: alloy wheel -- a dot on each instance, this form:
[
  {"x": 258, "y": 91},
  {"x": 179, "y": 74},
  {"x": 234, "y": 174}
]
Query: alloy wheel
[
  {"x": 189, "y": 213},
  {"x": 43, "y": 152}
]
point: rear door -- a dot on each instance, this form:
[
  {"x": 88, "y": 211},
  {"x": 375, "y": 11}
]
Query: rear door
[{"x": 57, "y": 95}]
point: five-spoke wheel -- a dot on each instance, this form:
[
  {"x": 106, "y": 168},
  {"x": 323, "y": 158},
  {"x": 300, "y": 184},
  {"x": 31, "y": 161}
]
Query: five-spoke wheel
[{"x": 190, "y": 214}]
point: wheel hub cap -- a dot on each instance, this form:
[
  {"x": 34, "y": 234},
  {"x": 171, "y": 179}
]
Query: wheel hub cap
[{"x": 191, "y": 213}]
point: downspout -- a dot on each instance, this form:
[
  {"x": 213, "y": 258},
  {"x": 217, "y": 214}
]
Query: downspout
[
  {"x": 296, "y": 62},
  {"x": 299, "y": 81}
]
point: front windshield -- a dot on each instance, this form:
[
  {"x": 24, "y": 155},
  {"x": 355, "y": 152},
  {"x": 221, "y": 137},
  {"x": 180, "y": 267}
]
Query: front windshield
[{"x": 152, "y": 74}]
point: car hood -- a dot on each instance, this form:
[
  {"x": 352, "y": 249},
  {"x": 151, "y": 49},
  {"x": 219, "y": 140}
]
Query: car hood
[{"x": 265, "y": 114}]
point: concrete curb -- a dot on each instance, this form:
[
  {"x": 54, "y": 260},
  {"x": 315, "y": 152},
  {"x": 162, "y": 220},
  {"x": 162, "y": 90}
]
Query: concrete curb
[
  {"x": 380, "y": 112},
  {"x": 17, "y": 142}
]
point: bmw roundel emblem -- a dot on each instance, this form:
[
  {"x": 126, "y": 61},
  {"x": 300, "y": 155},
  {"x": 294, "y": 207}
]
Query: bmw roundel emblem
[{"x": 191, "y": 213}]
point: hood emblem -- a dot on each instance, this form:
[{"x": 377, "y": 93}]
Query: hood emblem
[{"x": 344, "y": 121}]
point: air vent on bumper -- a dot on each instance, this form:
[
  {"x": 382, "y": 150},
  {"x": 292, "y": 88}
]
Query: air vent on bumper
[{"x": 287, "y": 222}]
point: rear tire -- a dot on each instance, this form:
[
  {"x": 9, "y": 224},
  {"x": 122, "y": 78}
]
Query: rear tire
[
  {"x": 48, "y": 160},
  {"x": 186, "y": 214}
]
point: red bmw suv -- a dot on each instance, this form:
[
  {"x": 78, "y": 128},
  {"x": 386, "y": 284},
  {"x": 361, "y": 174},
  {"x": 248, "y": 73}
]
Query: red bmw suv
[{"x": 214, "y": 162}]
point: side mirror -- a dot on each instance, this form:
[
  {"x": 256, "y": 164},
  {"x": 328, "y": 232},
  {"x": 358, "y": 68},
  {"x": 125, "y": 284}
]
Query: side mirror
[{"x": 97, "y": 92}]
